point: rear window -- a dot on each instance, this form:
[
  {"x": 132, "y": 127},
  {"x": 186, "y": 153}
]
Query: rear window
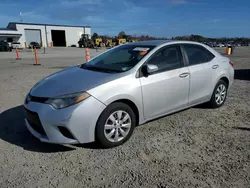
[{"x": 197, "y": 54}]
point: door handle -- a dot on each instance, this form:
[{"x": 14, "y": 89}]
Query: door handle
[
  {"x": 215, "y": 66},
  {"x": 183, "y": 75}
]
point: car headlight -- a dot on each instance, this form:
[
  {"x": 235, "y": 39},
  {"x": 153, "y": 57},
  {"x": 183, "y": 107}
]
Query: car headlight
[{"x": 64, "y": 101}]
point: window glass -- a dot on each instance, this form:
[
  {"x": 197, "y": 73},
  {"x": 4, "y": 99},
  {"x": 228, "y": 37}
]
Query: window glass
[
  {"x": 119, "y": 59},
  {"x": 168, "y": 58},
  {"x": 197, "y": 54}
]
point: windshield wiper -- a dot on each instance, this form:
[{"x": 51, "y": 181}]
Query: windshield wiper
[{"x": 99, "y": 69}]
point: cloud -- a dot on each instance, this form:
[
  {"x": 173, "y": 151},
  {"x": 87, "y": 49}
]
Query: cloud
[
  {"x": 184, "y": 2},
  {"x": 178, "y": 2},
  {"x": 5, "y": 19},
  {"x": 74, "y": 3},
  {"x": 212, "y": 21},
  {"x": 215, "y": 20},
  {"x": 33, "y": 16},
  {"x": 93, "y": 19}
]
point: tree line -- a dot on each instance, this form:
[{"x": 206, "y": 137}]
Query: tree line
[
  {"x": 198, "y": 38},
  {"x": 122, "y": 34}
]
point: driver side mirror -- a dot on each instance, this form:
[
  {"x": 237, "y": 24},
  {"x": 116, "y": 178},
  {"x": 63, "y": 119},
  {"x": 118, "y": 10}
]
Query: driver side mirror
[{"x": 149, "y": 69}]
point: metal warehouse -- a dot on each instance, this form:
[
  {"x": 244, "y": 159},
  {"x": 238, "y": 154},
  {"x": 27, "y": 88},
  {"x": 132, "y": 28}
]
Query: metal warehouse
[{"x": 47, "y": 35}]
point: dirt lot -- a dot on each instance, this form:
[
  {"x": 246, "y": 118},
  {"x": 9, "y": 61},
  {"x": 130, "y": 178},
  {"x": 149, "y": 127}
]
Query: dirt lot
[{"x": 198, "y": 147}]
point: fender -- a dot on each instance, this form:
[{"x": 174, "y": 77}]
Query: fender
[
  {"x": 131, "y": 98},
  {"x": 217, "y": 80}
]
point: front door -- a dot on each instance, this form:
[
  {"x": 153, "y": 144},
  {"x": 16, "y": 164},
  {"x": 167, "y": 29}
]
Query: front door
[{"x": 165, "y": 90}]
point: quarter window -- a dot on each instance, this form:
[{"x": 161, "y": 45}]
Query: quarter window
[
  {"x": 168, "y": 58},
  {"x": 197, "y": 54}
]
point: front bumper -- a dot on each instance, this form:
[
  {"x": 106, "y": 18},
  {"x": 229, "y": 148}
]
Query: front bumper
[{"x": 80, "y": 121}]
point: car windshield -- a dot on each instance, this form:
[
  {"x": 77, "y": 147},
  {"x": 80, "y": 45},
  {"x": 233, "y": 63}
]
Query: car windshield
[{"x": 119, "y": 59}]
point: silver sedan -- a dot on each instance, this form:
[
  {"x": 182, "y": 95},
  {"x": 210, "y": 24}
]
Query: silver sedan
[{"x": 105, "y": 98}]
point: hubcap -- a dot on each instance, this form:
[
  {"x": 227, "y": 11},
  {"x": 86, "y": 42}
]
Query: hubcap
[
  {"x": 117, "y": 126},
  {"x": 220, "y": 94}
]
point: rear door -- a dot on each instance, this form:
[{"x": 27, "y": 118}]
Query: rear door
[
  {"x": 165, "y": 90},
  {"x": 201, "y": 63}
]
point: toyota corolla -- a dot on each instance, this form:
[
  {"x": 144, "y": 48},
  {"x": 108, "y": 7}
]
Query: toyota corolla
[{"x": 104, "y": 99}]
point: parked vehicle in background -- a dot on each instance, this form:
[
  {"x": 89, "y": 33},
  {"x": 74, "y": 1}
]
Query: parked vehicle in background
[
  {"x": 34, "y": 44},
  {"x": 10, "y": 45},
  {"x": 4, "y": 46},
  {"x": 104, "y": 99},
  {"x": 220, "y": 45},
  {"x": 230, "y": 45},
  {"x": 16, "y": 45},
  {"x": 210, "y": 44}
]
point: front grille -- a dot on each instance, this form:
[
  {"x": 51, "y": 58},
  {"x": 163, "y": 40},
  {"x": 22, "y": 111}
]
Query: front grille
[
  {"x": 38, "y": 99},
  {"x": 34, "y": 121}
]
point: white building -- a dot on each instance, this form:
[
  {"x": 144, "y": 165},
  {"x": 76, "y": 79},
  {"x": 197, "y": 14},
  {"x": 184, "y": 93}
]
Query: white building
[{"x": 47, "y": 35}]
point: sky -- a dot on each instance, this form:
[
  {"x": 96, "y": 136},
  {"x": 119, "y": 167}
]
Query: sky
[{"x": 161, "y": 18}]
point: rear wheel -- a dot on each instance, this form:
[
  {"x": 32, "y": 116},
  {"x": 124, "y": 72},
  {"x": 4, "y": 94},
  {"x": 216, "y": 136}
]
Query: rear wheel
[
  {"x": 115, "y": 125},
  {"x": 219, "y": 95}
]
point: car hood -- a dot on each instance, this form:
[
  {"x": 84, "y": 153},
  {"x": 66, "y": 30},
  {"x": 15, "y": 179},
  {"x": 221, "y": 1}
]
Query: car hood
[{"x": 71, "y": 80}]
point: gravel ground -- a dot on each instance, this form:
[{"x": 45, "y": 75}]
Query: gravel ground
[{"x": 198, "y": 147}]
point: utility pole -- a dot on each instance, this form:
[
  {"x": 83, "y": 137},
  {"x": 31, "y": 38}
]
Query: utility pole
[{"x": 21, "y": 14}]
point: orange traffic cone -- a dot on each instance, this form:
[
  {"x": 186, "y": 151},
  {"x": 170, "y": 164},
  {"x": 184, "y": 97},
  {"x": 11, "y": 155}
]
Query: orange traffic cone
[
  {"x": 36, "y": 57},
  {"x": 17, "y": 55},
  {"x": 87, "y": 56}
]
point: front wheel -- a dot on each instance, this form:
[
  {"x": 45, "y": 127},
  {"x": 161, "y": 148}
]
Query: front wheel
[
  {"x": 115, "y": 125},
  {"x": 219, "y": 95}
]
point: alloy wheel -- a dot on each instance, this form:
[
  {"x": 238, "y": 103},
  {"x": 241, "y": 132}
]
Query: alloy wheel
[
  {"x": 220, "y": 94},
  {"x": 117, "y": 126}
]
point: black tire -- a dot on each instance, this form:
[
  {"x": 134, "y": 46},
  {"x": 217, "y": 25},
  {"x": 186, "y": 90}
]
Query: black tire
[
  {"x": 212, "y": 101},
  {"x": 100, "y": 136}
]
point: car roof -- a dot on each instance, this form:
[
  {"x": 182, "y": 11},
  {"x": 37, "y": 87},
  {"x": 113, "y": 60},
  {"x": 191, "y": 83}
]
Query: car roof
[
  {"x": 151, "y": 42},
  {"x": 155, "y": 43},
  {"x": 160, "y": 42}
]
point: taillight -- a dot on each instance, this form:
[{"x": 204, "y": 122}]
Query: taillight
[{"x": 231, "y": 63}]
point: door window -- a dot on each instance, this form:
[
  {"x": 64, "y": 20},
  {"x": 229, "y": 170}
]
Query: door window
[
  {"x": 167, "y": 58},
  {"x": 197, "y": 54}
]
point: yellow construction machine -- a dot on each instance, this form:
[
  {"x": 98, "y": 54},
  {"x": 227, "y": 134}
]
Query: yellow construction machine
[
  {"x": 133, "y": 40},
  {"x": 121, "y": 41},
  {"x": 98, "y": 42},
  {"x": 118, "y": 41},
  {"x": 109, "y": 43}
]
